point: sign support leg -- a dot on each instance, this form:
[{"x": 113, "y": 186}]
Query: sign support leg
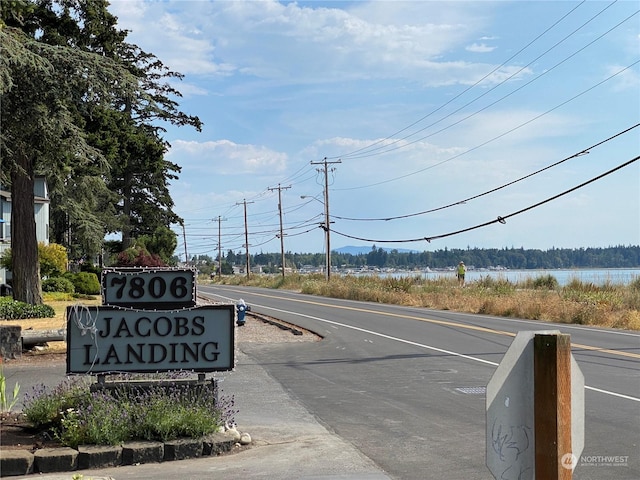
[{"x": 552, "y": 406}]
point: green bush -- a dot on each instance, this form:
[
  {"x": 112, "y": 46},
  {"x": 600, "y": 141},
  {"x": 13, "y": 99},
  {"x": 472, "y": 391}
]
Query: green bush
[
  {"x": 77, "y": 416},
  {"x": 58, "y": 284},
  {"x": 13, "y": 310},
  {"x": 43, "y": 407},
  {"x": 91, "y": 268},
  {"x": 84, "y": 282},
  {"x": 548, "y": 282}
]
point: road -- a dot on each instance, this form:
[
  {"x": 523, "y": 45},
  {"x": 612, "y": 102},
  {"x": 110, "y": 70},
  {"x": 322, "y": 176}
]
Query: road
[{"x": 406, "y": 385}]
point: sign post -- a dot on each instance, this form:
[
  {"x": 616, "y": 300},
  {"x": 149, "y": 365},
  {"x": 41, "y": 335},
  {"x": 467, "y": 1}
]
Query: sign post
[
  {"x": 535, "y": 410},
  {"x": 552, "y": 405}
]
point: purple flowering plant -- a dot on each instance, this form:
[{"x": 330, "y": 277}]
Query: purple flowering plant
[{"x": 160, "y": 409}]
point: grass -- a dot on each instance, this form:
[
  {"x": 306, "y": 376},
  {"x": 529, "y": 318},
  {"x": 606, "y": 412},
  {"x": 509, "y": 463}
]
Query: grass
[
  {"x": 59, "y": 303},
  {"x": 541, "y": 298}
]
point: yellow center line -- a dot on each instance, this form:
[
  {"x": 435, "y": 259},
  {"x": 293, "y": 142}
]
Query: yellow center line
[
  {"x": 606, "y": 350},
  {"x": 446, "y": 323}
]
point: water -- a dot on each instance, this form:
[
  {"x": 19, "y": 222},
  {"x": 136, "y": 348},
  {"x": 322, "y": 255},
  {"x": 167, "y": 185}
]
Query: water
[
  {"x": 615, "y": 276},
  {"x": 596, "y": 276}
]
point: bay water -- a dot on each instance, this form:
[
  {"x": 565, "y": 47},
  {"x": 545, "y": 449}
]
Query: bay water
[
  {"x": 616, "y": 276},
  {"x": 602, "y": 276}
]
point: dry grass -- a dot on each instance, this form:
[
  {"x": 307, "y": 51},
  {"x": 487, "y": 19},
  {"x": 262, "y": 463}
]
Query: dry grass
[
  {"x": 606, "y": 305},
  {"x": 54, "y": 323},
  {"x": 614, "y": 306}
]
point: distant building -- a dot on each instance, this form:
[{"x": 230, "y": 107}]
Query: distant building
[{"x": 41, "y": 207}]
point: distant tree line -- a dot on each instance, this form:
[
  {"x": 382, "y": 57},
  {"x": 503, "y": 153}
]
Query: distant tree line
[{"x": 511, "y": 258}]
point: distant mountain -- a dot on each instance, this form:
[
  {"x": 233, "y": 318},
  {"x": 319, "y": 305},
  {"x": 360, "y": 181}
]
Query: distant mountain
[{"x": 351, "y": 250}]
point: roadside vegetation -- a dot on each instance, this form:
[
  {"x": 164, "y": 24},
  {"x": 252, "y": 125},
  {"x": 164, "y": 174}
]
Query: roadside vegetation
[
  {"x": 540, "y": 298},
  {"x": 74, "y": 414}
]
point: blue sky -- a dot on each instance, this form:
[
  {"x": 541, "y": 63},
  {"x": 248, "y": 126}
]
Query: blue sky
[{"x": 436, "y": 107}]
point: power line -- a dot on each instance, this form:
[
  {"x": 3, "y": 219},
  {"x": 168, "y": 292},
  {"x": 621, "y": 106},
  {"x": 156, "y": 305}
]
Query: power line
[
  {"x": 477, "y": 147},
  {"x": 493, "y": 190},
  {"x": 370, "y": 152},
  {"x": 499, "y": 219}
]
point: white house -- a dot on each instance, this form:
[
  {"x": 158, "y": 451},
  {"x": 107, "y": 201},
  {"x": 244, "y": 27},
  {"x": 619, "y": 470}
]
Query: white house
[{"x": 41, "y": 207}]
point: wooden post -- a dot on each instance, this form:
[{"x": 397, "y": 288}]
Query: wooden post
[{"x": 552, "y": 405}]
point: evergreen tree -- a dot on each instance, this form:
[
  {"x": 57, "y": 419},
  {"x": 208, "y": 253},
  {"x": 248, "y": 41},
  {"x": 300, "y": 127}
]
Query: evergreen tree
[{"x": 37, "y": 84}]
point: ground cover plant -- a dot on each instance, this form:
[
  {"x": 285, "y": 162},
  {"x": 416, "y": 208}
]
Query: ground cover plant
[
  {"x": 11, "y": 310},
  {"x": 75, "y": 414}
]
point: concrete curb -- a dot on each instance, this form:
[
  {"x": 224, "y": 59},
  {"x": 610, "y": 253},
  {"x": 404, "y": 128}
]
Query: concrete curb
[{"x": 53, "y": 460}]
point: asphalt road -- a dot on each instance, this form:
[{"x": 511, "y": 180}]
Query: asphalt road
[{"x": 405, "y": 386}]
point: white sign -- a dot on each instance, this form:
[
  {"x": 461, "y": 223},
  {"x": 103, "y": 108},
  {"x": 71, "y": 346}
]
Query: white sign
[
  {"x": 108, "y": 339},
  {"x": 510, "y": 441}
]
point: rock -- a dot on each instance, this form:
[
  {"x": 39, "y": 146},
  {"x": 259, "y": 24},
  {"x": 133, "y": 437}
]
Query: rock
[
  {"x": 233, "y": 433},
  {"x": 245, "y": 439}
]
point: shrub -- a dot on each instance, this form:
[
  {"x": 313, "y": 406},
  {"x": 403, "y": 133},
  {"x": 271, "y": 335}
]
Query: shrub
[
  {"x": 14, "y": 310},
  {"x": 91, "y": 268},
  {"x": 138, "y": 257},
  {"x": 58, "y": 284},
  {"x": 44, "y": 408},
  {"x": 77, "y": 416},
  {"x": 52, "y": 258},
  {"x": 84, "y": 282},
  {"x": 546, "y": 281}
]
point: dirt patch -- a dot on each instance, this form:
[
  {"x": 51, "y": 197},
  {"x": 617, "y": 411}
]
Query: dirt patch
[
  {"x": 40, "y": 358},
  {"x": 16, "y": 433}
]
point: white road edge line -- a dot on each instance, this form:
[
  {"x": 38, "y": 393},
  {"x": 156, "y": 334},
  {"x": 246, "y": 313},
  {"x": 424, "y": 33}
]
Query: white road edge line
[{"x": 428, "y": 347}]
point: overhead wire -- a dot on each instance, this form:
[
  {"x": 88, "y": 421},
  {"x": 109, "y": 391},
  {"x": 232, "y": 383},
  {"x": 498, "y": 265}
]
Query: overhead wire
[
  {"x": 453, "y": 99},
  {"x": 493, "y": 190},
  {"x": 531, "y": 120},
  {"x": 500, "y": 219},
  {"x": 366, "y": 151}
]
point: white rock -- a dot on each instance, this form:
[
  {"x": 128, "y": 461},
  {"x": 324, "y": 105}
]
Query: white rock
[
  {"x": 233, "y": 433},
  {"x": 245, "y": 439}
]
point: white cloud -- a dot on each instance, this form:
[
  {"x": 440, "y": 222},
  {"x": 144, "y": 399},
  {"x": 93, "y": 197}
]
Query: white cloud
[
  {"x": 264, "y": 39},
  {"x": 479, "y": 48},
  {"x": 224, "y": 157},
  {"x": 625, "y": 78}
]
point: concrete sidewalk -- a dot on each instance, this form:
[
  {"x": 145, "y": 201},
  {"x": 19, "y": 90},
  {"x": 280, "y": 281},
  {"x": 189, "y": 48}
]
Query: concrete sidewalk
[{"x": 288, "y": 442}]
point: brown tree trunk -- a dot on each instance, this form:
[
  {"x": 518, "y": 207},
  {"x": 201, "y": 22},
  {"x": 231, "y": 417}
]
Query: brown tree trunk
[{"x": 27, "y": 286}]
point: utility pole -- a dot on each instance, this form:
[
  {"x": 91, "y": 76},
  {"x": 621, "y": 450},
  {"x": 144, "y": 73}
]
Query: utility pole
[
  {"x": 279, "y": 188},
  {"x": 186, "y": 255},
  {"x": 327, "y": 222},
  {"x": 246, "y": 235},
  {"x": 219, "y": 249}
]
